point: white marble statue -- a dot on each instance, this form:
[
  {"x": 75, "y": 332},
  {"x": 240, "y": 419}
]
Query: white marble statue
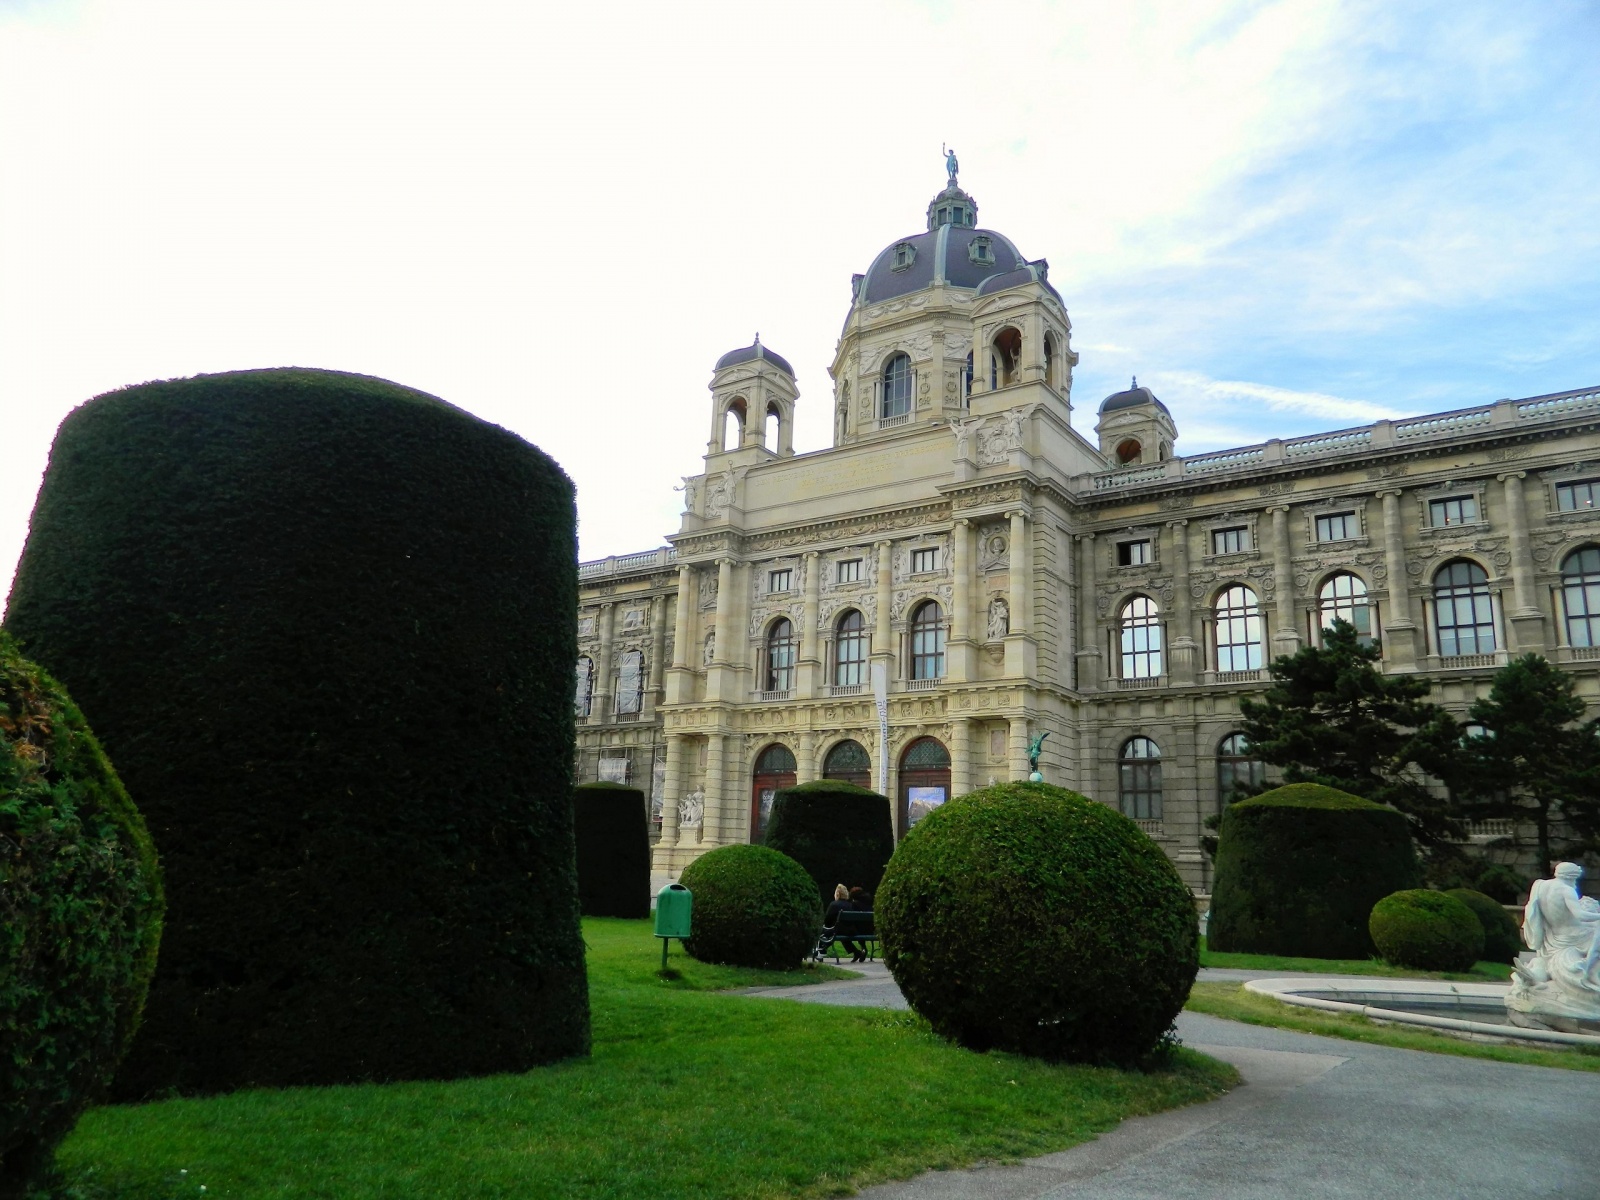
[
  {"x": 1561, "y": 979},
  {"x": 691, "y": 810},
  {"x": 999, "y": 619}
]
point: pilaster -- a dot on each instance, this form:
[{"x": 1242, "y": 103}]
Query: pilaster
[
  {"x": 1526, "y": 621},
  {"x": 960, "y": 649},
  {"x": 1286, "y": 637},
  {"x": 1021, "y": 648},
  {"x": 810, "y": 665},
  {"x": 1185, "y": 651},
  {"x": 1399, "y": 632},
  {"x": 1091, "y": 659}
]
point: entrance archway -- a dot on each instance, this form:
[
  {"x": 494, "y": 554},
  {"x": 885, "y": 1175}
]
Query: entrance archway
[
  {"x": 924, "y": 780},
  {"x": 774, "y": 770},
  {"x": 848, "y": 762}
]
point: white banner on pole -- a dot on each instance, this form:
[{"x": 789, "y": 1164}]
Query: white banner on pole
[{"x": 880, "y": 693}]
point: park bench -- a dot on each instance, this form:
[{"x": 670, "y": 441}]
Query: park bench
[{"x": 855, "y": 927}]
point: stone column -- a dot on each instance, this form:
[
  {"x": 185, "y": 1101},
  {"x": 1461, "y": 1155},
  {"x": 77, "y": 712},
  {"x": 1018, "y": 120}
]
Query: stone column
[
  {"x": 1091, "y": 659},
  {"x": 1185, "y": 651},
  {"x": 960, "y": 756},
  {"x": 720, "y": 676},
  {"x": 960, "y": 646},
  {"x": 936, "y": 372},
  {"x": 1399, "y": 632},
  {"x": 805, "y": 757},
  {"x": 670, "y": 795},
  {"x": 1526, "y": 621},
  {"x": 1286, "y": 637},
  {"x": 601, "y": 708},
  {"x": 658, "y": 647},
  {"x": 711, "y": 832},
  {"x": 810, "y": 664},
  {"x": 1017, "y": 750},
  {"x": 680, "y": 680},
  {"x": 882, "y": 634},
  {"x": 1021, "y": 649}
]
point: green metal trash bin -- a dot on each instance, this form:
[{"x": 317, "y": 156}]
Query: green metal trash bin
[{"x": 674, "y": 905}]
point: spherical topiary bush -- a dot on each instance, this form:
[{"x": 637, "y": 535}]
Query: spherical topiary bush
[
  {"x": 1429, "y": 931},
  {"x": 1024, "y": 917},
  {"x": 611, "y": 826},
  {"x": 838, "y": 832},
  {"x": 80, "y": 920},
  {"x": 326, "y": 627},
  {"x": 752, "y": 907},
  {"x": 1299, "y": 869},
  {"x": 1502, "y": 940}
]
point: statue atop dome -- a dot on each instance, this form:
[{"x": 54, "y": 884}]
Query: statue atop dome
[{"x": 951, "y": 164}]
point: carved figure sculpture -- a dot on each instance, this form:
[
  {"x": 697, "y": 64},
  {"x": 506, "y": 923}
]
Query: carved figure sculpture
[
  {"x": 1014, "y": 420},
  {"x": 1561, "y": 983},
  {"x": 951, "y": 165},
  {"x": 1034, "y": 747},
  {"x": 692, "y": 810},
  {"x": 711, "y": 647},
  {"x": 964, "y": 431},
  {"x": 688, "y": 493},
  {"x": 999, "y": 619}
]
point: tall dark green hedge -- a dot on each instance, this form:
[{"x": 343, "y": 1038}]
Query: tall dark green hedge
[
  {"x": 325, "y": 626},
  {"x": 1025, "y": 917},
  {"x": 1299, "y": 869},
  {"x": 838, "y": 832},
  {"x": 80, "y": 920},
  {"x": 613, "y": 850}
]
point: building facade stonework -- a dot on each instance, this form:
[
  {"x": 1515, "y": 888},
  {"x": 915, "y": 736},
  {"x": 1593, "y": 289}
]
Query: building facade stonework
[{"x": 1007, "y": 578}]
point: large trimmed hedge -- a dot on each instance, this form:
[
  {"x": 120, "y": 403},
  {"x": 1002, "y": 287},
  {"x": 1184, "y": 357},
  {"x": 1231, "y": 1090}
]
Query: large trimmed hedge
[
  {"x": 613, "y": 835},
  {"x": 1502, "y": 940},
  {"x": 1430, "y": 931},
  {"x": 1299, "y": 869},
  {"x": 325, "y": 626},
  {"x": 1025, "y": 917},
  {"x": 80, "y": 920},
  {"x": 752, "y": 907},
  {"x": 838, "y": 832}
]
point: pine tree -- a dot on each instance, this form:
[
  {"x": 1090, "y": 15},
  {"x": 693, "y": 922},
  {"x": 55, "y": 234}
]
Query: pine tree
[{"x": 1331, "y": 717}]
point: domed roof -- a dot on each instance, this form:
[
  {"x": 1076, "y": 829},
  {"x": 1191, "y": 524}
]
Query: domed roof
[
  {"x": 1037, "y": 271},
  {"x": 951, "y": 254},
  {"x": 1132, "y": 398},
  {"x": 755, "y": 350}
]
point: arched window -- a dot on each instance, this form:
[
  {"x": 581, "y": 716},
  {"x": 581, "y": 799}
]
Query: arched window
[
  {"x": 1139, "y": 779},
  {"x": 849, "y": 762},
  {"x": 924, "y": 780},
  {"x": 927, "y": 642},
  {"x": 1238, "y": 630},
  {"x": 1140, "y": 623},
  {"x": 850, "y": 650},
  {"x": 733, "y": 424},
  {"x": 630, "y": 681},
  {"x": 1580, "y": 590},
  {"x": 769, "y": 434},
  {"x": 966, "y": 382},
  {"x": 1007, "y": 346},
  {"x": 584, "y": 695},
  {"x": 1050, "y": 359},
  {"x": 780, "y": 655},
  {"x": 1128, "y": 452},
  {"x": 1462, "y": 609},
  {"x": 1236, "y": 770},
  {"x": 1344, "y": 597},
  {"x": 774, "y": 770},
  {"x": 896, "y": 387}
]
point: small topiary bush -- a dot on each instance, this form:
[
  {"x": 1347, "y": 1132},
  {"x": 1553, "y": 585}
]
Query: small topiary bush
[
  {"x": 1299, "y": 869},
  {"x": 753, "y": 907},
  {"x": 838, "y": 832},
  {"x": 1502, "y": 940},
  {"x": 1025, "y": 917},
  {"x": 613, "y": 835},
  {"x": 80, "y": 920},
  {"x": 1429, "y": 931}
]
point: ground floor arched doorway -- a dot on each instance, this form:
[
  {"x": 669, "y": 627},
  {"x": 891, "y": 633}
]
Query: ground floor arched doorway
[
  {"x": 924, "y": 780},
  {"x": 848, "y": 762},
  {"x": 774, "y": 770}
]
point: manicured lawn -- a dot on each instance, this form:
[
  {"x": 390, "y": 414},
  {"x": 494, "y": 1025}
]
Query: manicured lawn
[
  {"x": 1230, "y": 1000},
  {"x": 1484, "y": 971},
  {"x": 687, "y": 1094}
]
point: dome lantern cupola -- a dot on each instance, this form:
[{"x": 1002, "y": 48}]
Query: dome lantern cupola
[{"x": 952, "y": 207}]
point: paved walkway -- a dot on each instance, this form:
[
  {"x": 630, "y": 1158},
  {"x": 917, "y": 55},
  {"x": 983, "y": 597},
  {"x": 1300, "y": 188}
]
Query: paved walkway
[{"x": 1317, "y": 1117}]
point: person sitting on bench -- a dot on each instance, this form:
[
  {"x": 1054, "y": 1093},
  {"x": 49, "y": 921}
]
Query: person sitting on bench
[{"x": 842, "y": 903}]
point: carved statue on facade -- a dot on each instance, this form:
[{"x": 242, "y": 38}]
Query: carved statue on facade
[
  {"x": 692, "y": 810},
  {"x": 1034, "y": 747},
  {"x": 964, "y": 431},
  {"x": 999, "y": 619},
  {"x": 1561, "y": 983},
  {"x": 1014, "y": 420},
  {"x": 688, "y": 493},
  {"x": 711, "y": 647}
]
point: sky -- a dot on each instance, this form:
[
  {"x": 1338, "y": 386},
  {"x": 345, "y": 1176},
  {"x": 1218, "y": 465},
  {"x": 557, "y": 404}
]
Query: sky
[{"x": 1284, "y": 217}]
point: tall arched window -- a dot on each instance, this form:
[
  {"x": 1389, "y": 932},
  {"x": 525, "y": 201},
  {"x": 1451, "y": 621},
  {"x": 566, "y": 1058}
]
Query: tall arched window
[
  {"x": 927, "y": 642},
  {"x": 733, "y": 424},
  {"x": 773, "y": 427},
  {"x": 780, "y": 655},
  {"x": 1238, "y": 630},
  {"x": 1005, "y": 357},
  {"x": 850, "y": 650},
  {"x": 584, "y": 695},
  {"x": 775, "y": 770},
  {"x": 1050, "y": 360},
  {"x": 1236, "y": 770},
  {"x": 630, "y": 682},
  {"x": 1139, "y": 779},
  {"x": 1344, "y": 597},
  {"x": 1140, "y": 623},
  {"x": 896, "y": 387},
  {"x": 966, "y": 382},
  {"x": 1580, "y": 590},
  {"x": 1462, "y": 609}
]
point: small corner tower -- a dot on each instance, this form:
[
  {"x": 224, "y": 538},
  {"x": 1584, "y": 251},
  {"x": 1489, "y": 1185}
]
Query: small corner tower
[
  {"x": 753, "y": 393},
  {"x": 1134, "y": 427}
]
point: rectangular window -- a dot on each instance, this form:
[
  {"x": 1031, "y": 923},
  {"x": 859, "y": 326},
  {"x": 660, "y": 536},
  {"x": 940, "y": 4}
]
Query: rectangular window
[
  {"x": 1336, "y": 527},
  {"x": 1570, "y": 497},
  {"x": 1133, "y": 554},
  {"x": 1231, "y": 541},
  {"x": 778, "y": 581},
  {"x": 850, "y": 571},
  {"x": 1457, "y": 510},
  {"x": 924, "y": 561}
]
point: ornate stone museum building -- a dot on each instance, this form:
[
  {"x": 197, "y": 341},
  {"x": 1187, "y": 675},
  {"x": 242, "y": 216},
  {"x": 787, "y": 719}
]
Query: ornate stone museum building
[{"x": 1007, "y": 578}]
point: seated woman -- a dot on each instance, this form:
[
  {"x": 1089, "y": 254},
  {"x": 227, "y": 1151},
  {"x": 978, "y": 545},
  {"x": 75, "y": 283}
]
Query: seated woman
[{"x": 842, "y": 903}]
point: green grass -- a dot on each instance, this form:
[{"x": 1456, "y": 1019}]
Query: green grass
[
  {"x": 687, "y": 1094},
  {"x": 1230, "y": 1000},
  {"x": 1490, "y": 971}
]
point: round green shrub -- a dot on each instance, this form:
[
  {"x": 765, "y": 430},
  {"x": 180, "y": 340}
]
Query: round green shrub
[
  {"x": 753, "y": 907},
  {"x": 1299, "y": 869},
  {"x": 838, "y": 832},
  {"x": 1426, "y": 930},
  {"x": 1502, "y": 940},
  {"x": 1025, "y": 917},
  {"x": 80, "y": 920},
  {"x": 613, "y": 835},
  {"x": 326, "y": 627}
]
